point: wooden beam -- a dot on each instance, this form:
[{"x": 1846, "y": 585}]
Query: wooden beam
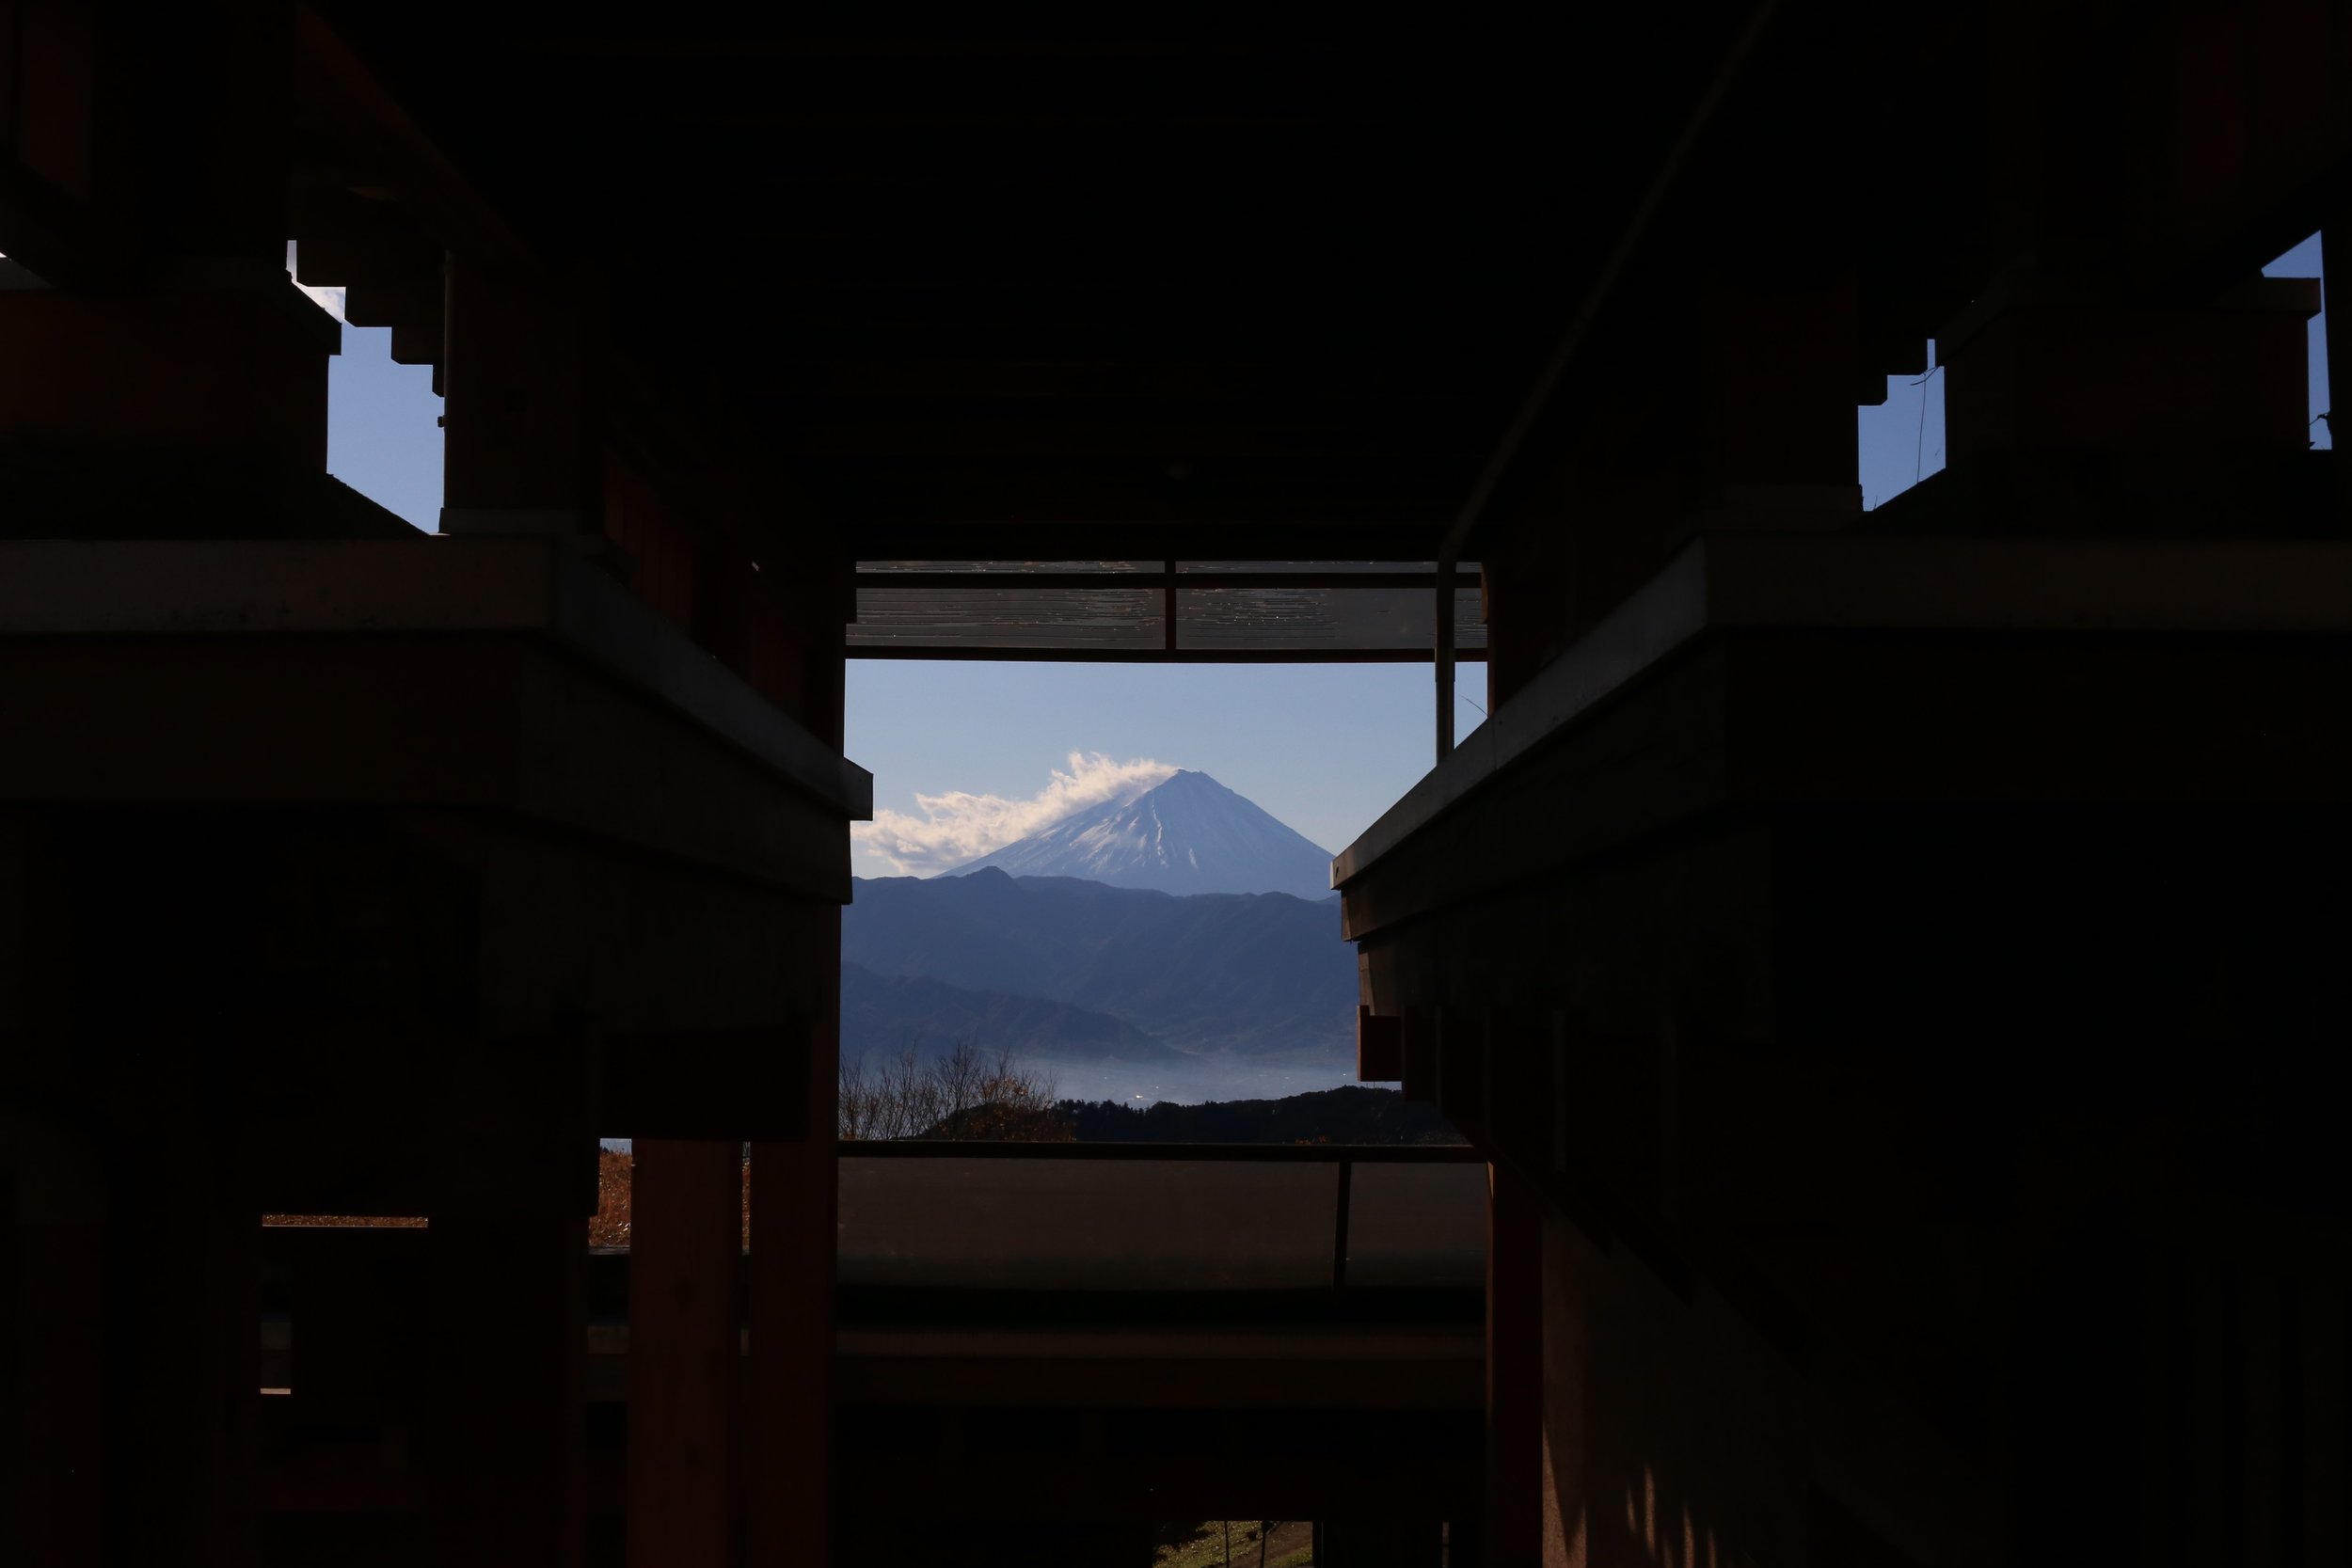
[
  {"x": 969, "y": 652},
  {"x": 1127, "y": 533},
  {"x": 335, "y": 88},
  {"x": 732, "y": 1084},
  {"x": 1186, "y": 433},
  {"x": 853, "y": 382},
  {"x": 1604, "y": 284},
  {"x": 1169, "y": 575},
  {"x": 1107, "y": 507}
]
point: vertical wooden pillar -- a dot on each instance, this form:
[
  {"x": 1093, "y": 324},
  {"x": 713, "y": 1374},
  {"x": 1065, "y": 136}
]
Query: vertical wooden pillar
[
  {"x": 519, "y": 451},
  {"x": 1589, "y": 534},
  {"x": 790, "y": 1477},
  {"x": 507, "y": 1415},
  {"x": 788, "y": 1493},
  {"x": 685, "y": 1251},
  {"x": 788, "y": 1497},
  {"x": 1784, "y": 447},
  {"x": 1512, "y": 1536}
]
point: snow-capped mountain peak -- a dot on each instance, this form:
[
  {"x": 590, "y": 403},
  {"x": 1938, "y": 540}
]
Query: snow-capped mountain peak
[{"x": 1188, "y": 834}]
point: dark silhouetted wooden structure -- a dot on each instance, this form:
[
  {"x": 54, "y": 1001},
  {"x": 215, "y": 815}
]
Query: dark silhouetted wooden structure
[{"x": 1890, "y": 959}]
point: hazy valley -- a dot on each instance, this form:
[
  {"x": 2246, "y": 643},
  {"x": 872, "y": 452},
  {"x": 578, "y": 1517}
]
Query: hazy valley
[{"x": 1117, "y": 991}]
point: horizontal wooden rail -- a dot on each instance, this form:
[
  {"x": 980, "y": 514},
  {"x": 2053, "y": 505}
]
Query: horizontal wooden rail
[
  {"x": 1065, "y": 653},
  {"x": 1360, "y": 1154},
  {"x": 1142, "y": 581}
]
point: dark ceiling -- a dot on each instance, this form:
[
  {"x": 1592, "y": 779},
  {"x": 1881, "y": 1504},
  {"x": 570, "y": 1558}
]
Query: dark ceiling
[{"x": 1034, "y": 287}]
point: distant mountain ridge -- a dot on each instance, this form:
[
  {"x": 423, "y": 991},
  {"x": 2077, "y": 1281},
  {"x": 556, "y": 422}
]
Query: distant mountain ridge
[
  {"x": 1189, "y": 834},
  {"x": 882, "y": 1016},
  {"x": 1256, "y": 974}
]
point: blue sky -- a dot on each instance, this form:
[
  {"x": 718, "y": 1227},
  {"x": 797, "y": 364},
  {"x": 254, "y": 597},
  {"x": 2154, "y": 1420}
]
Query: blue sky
[{"x": 1326, "y": 748}]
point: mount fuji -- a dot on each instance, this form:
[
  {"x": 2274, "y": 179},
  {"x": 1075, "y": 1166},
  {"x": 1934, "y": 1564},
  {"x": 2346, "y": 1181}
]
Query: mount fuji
[{"x": 1189, "y": 834}]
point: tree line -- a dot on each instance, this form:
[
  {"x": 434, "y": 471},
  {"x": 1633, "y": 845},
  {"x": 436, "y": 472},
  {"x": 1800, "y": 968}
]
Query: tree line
[
  {"x": 963, "y": 1094},
  {"x": 970, "y": 1094}
]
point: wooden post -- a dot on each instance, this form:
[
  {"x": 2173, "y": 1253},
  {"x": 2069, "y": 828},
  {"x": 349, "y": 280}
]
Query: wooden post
[
  {"x": 788, "y": 1500},
  {"x": 685, "y": 1252},
  {"x": 1512, "y": 1536},
  {"x": 507, "y": 1411},
  {"x": 519, "y": 447}
]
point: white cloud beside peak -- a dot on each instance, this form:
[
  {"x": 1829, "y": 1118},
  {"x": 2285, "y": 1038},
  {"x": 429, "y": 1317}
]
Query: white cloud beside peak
[{"x": 957, "y": 826}]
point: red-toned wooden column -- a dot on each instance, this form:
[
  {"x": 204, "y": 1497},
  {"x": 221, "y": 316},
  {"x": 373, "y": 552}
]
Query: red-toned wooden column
[
  {"x": 685, "y": 1251},
  {"x": 1512, "y": 1537},
  {"x": 519, "y": 448},
  {"x": 789, "y": 1502},
  {"x": 788, "y": 1495},
  {"x": 789, "y": 1509},
  {"x": 1782, "y": 447}
]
